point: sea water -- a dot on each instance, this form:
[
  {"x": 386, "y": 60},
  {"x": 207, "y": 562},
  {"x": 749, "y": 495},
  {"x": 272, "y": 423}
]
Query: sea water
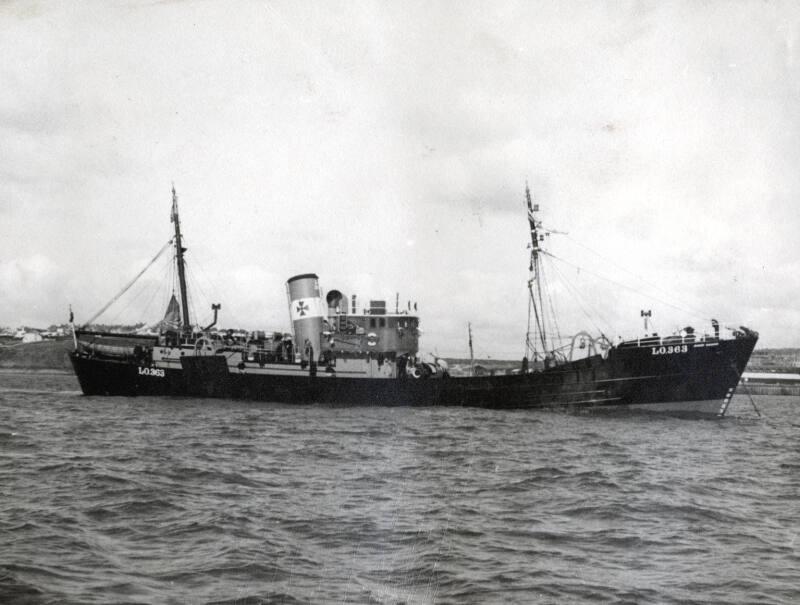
[{"x": 150, "y": 500}]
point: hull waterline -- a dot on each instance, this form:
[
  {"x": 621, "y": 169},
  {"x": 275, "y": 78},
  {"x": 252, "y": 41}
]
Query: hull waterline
[{"x": 699, "y": 381}]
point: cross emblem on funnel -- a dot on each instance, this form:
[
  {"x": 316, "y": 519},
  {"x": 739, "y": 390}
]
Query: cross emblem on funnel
[{"x": 302, "y": 307}]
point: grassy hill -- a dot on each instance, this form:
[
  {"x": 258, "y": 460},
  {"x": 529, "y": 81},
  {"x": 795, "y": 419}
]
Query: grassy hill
[{"x": 45, "y": 355}]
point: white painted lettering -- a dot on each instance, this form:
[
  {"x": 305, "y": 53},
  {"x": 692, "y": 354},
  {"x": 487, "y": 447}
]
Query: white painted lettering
[{"x": 669, "y": 350}]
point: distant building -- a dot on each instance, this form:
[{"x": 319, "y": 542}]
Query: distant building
[{"x": 32, "y": 337}]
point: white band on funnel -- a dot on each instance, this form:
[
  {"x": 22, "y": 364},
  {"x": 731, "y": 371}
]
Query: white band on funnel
[{"x": 303, "y": 308}]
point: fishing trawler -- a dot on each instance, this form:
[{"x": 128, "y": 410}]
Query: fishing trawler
[{"x": 338, "y": 354}]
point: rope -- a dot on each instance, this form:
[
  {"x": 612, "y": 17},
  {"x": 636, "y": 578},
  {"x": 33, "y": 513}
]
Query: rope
[
  {"x": 700, "y": 314},
  {"x": 191, "y": 284},
  {"x": 128, "y": 286},
  {"x": 137, "y": 295},
  {"x": 229, "y": 311},
  {"x": 550, "y": 302},
  {"x": 575, "y": 291},
  {"x": 538, "y": 323},
  {"x": 194, "y": 281},
  {"x": 156, "y": 292},
  {"x": 529, "y": 348},
  {"x": 753, "y": 403},
  {"x": 621, "y": 285}
]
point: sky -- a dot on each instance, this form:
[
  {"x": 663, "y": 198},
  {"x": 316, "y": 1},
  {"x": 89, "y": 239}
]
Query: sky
[{"x": 386, "y": 146}]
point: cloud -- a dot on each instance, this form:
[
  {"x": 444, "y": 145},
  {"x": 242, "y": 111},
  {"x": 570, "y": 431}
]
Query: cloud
[
  {"x": 324, "y": 137},
  {"x": 29, "y": 286}
]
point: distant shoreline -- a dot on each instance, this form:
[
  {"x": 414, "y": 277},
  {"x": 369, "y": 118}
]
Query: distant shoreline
[
  {"x": 52, "y": 357},
  {"x": 47, "y": 356},
  {"x": 42, "y": 371}
]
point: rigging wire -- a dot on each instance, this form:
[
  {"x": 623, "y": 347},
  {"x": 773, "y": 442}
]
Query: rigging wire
[
  {"x": 193, "y": 285},
  {"x": 174, "y": 273},
  {"x": 164, "y": 292},
  {"x": 575, "y": 291},
  {"x": 136, "y": 297},
  {"x": 156, "y": 291},
  {"x": 128, "y": 285},
  {"x": 539, "y": 325},
  {"x": 550, "y": 303},
  {"x": 528, "y": 346},
  {"x": 196, "y": 283},
  {"x": 196, "y": 287},
  {"x": 626, "y": 287},
  {"x": 213, "y": 287},
  {"x": 170, "y": 285},
  {"x": 697, "y": 313}
]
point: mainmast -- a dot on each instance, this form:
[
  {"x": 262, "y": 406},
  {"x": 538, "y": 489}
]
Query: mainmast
[
  {"x": 535, "y": 300},
  {"x": 471, "y": 354},
  {"x": 179, "y": 250}
]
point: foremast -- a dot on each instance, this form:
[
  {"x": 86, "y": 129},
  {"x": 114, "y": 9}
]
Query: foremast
[
  {"x": 179, "y": 250},
  {"x": 536, "y": 334}
]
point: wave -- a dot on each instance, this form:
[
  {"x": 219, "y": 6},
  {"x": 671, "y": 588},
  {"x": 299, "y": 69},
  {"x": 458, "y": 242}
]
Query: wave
[{"x": 118, "y": 500}]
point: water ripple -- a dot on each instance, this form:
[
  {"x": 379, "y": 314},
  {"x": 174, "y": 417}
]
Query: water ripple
[{"x": 171, "y": 501}]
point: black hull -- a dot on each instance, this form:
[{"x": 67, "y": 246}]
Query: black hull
[{"x": 702, "y": 379}]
